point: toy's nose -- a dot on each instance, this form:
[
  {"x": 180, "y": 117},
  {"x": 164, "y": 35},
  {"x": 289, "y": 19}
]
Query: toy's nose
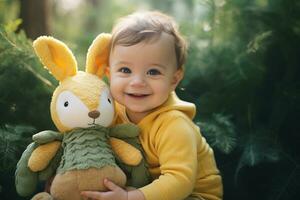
[{"x": 94, "y": 114}]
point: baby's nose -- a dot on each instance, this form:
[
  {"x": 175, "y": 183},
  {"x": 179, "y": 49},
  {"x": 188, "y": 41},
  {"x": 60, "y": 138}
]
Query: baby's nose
[
  {"x": 94, "y": 114},
  {"x": 138, "y": 81}
]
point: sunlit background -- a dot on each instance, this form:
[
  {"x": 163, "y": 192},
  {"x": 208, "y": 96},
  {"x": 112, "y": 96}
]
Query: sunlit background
[{"x": 242, "y": 73}]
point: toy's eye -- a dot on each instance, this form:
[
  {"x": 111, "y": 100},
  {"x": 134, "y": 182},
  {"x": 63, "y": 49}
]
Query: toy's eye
[
  {"x": 66, "y": 104},
  {"x": 109, "y": 101}
]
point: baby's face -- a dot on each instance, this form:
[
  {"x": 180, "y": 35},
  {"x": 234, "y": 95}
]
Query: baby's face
[{"x": 143, "y": 75}]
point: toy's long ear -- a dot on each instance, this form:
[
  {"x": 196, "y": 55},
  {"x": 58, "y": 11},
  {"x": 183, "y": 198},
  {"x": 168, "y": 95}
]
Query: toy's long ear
[
  {"x": 56, "y": 57},
  {"x": 98, "y": 55}
]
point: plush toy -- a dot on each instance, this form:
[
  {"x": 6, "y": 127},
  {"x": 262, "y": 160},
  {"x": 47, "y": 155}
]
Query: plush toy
[{"x": 86, "y": 148}]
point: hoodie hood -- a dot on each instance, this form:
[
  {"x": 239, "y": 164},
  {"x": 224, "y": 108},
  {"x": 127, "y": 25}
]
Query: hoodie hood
[{"x": 172, "y": 103}]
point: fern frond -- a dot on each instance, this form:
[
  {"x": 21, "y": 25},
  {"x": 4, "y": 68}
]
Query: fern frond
[{"x": 219, "y": 132}]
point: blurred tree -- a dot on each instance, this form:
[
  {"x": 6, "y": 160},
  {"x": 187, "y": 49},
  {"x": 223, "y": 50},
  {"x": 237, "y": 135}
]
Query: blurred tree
[
  {"x": 25, "y": 94},
  {"x": 245, "y": 64},
  {"x": 80, "y": 22},
  {"x": 35, "y": 15}
]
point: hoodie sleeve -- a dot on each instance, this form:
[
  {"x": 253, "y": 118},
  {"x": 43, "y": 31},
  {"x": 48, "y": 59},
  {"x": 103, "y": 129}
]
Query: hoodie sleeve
[{"x": 176, "y": 145}]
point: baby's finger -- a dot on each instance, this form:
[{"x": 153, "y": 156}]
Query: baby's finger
[
  {"x": 91, "y": 194},
  {"x": 110, "y": 185}
]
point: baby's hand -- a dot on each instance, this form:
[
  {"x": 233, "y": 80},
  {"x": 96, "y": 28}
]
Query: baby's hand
[{"x": 115, "y": 192}]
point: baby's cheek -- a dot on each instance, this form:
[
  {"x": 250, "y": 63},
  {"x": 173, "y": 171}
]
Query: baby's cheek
[
  {"x": 116, "y": 92},
  {"x": 113, "y": 91}
]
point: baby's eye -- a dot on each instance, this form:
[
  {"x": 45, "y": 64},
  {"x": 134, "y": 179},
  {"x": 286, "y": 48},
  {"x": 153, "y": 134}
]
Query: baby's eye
[
  {"x": 153, "y": 72},
  {"x": 125, "y": 70}
]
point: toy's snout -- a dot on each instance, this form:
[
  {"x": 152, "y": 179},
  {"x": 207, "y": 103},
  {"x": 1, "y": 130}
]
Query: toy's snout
[{"x": 94, "y": 114}]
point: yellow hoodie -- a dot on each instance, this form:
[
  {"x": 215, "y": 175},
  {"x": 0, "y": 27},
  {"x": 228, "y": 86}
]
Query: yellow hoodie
[{"x": 180, "y": 160}]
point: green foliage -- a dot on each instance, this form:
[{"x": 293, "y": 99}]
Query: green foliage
[
  {"x": 250, "y": 71},
  {"x": 257, "y": 43},
  {"x": 25, "y": 89},
  {"x": 12, "y": 26},
  {"x": 219, "y": 132},
  {"x": 25, "y": 94},
  {"x": 12, "y": 140},
  {"x": 9, "y": 10},
  {"x": 257, "y": 150}
]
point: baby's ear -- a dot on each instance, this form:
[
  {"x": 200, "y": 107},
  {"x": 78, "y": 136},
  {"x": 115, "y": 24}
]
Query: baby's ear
[
  {"x": 98, "y": 55},
  {"x": 56, "y": 57}
]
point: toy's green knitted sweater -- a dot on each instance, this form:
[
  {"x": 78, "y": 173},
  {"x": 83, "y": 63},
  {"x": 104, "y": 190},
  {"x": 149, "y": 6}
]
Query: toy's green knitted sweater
[{"x": 85, "y": 148}]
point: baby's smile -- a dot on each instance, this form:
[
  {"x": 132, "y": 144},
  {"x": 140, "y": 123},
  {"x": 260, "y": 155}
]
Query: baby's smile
[{"x": 137, "y": 95}]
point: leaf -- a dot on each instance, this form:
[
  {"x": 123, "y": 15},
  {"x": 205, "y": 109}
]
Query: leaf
[
  {"x": 258, "y": 41},
  {"x": 12, "y": 26}
]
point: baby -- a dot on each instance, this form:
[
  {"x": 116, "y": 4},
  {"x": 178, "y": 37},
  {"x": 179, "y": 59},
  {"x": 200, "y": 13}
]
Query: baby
[{"x": 146, "y": 65}]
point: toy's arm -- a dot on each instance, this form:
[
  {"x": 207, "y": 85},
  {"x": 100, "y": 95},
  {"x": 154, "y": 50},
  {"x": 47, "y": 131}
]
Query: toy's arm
[
  {"x": 45, "y": 152},
  {"x": 25, "y": 179},
  {"x": 130, "y": 154},
  {"x": 126, "y": 152},
  {"x": 123, "y": 131}
]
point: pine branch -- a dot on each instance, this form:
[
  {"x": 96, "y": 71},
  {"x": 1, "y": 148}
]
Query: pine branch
[
  {"x": 4, "y": 36},
  {"x": 18, "y": 46},
  {"x": 38, "y": 76}
]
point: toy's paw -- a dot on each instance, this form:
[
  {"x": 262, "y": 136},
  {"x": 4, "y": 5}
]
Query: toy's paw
[
  {"x": 126, "y": 152},
  {"x": 42, "y": 196},
  {"x": 47, "y": 136},
  {"x": 42, "y": 155}
]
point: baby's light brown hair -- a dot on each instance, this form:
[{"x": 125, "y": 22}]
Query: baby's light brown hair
[{"x": 146, "y": 26}]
